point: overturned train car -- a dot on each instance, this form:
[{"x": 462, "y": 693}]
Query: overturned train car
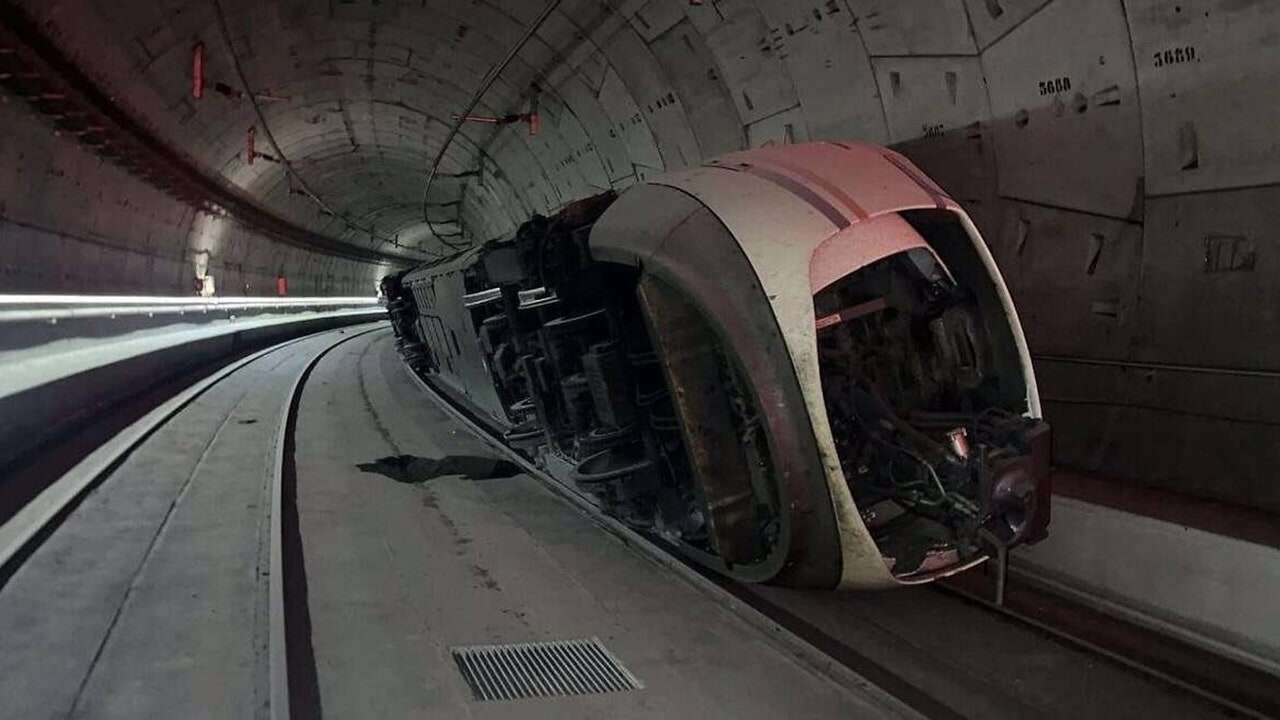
[{"x": 796, "y": 364}]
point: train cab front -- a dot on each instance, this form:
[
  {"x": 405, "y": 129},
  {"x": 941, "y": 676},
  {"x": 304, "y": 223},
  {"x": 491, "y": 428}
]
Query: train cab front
[
  {"x": 929, "y": 393},
  {"x": 403, "y": 314}
]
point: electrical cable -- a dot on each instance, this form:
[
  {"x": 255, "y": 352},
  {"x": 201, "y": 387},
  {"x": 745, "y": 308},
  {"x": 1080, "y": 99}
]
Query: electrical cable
[
  {"x": 944, "y": 495},
  {"x": 487, "y": 83},
  {"x": 271, "y": 138}
]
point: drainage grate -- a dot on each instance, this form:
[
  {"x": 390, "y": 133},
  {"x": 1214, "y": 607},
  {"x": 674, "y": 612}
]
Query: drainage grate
[{"x": 545, "y": 669}]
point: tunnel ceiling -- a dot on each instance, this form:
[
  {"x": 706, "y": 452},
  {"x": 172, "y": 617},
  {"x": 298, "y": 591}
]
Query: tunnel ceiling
[{"x": 360, "y": 94}]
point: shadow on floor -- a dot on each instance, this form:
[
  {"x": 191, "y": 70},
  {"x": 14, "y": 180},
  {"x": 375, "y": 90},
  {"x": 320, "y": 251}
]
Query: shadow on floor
[{"x": 418, "y": 470}]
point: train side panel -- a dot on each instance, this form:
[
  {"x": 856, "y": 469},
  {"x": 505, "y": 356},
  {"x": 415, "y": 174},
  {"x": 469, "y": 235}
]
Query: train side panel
[{"x": 448, "y": 330}]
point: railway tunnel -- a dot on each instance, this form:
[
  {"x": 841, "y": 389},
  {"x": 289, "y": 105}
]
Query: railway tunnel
[{"x": 224, "y": 494}]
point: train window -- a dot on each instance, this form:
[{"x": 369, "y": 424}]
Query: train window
[
  {"x": 948, "y": 238},
  {"x": 903, "y": 331}
]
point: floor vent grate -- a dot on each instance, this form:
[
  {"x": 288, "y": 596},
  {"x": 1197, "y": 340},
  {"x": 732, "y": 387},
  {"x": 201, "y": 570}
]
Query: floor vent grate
[{"x": 542, "y": 669}]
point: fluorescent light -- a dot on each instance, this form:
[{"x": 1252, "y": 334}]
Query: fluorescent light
[
  {"x": 98, "y": 300},
  {"x": 52, "y": 308}
]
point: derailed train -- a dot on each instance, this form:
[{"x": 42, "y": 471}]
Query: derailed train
[{"x": 797, "y": 364}]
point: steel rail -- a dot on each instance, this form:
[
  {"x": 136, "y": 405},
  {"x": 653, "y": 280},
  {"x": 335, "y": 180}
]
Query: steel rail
[{"x": 1096, "y": 649}]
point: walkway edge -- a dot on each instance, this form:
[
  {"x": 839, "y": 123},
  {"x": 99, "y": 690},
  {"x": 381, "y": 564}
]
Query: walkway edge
[
  {"x": 278, "y": 645},
  {"x": 37, "y": 514}
]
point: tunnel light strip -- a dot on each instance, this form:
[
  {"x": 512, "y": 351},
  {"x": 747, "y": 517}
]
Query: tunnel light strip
[
  {"x": 135, "y": 311},
  {"x": 98, "y": 300},
  {"x": 71, "y": 307}
]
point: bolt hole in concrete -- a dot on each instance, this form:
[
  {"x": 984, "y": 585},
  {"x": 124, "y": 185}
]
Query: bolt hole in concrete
[{"x": 418, "y": 470}]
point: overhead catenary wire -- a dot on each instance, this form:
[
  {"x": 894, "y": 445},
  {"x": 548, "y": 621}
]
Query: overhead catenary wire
[
  {"x": 306, "y": 189},
  {"x": 487, "y": 83}
]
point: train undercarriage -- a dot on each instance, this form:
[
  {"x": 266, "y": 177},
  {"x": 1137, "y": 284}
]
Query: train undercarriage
[{"x": 616, "y": 380}]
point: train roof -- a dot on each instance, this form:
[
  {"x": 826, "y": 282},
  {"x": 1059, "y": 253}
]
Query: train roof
[
  {"x": 432, "y": 268},
  {"x": 846, "y": 181}
]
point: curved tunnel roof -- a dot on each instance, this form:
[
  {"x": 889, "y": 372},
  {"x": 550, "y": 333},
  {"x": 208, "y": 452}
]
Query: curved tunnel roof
[{"x": 360, "y": 94}]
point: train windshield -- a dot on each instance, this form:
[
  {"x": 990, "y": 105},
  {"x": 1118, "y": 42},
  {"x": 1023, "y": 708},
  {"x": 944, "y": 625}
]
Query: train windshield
[{"x": 925, "y": 409}]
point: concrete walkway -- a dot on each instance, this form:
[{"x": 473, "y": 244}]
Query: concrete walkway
[{"x": 399, "y": 572}]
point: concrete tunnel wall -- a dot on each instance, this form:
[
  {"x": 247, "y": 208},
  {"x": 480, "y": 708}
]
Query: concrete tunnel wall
[
  {"x": 1121, "y": 157},
  {"x": 73, "y": 223}
]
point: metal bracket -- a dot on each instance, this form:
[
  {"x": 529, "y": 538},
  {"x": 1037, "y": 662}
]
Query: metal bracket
[{"x": 1001, "y": 561}]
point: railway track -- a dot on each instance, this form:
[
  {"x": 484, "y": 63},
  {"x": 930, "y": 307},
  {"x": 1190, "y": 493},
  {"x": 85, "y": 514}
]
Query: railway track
[
  {"x": 813, "y": 628},
  {"x": 1218, "y": 684},
  {"x": 1235, "y": 687},
  {"x": 27, "y": 529}
]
